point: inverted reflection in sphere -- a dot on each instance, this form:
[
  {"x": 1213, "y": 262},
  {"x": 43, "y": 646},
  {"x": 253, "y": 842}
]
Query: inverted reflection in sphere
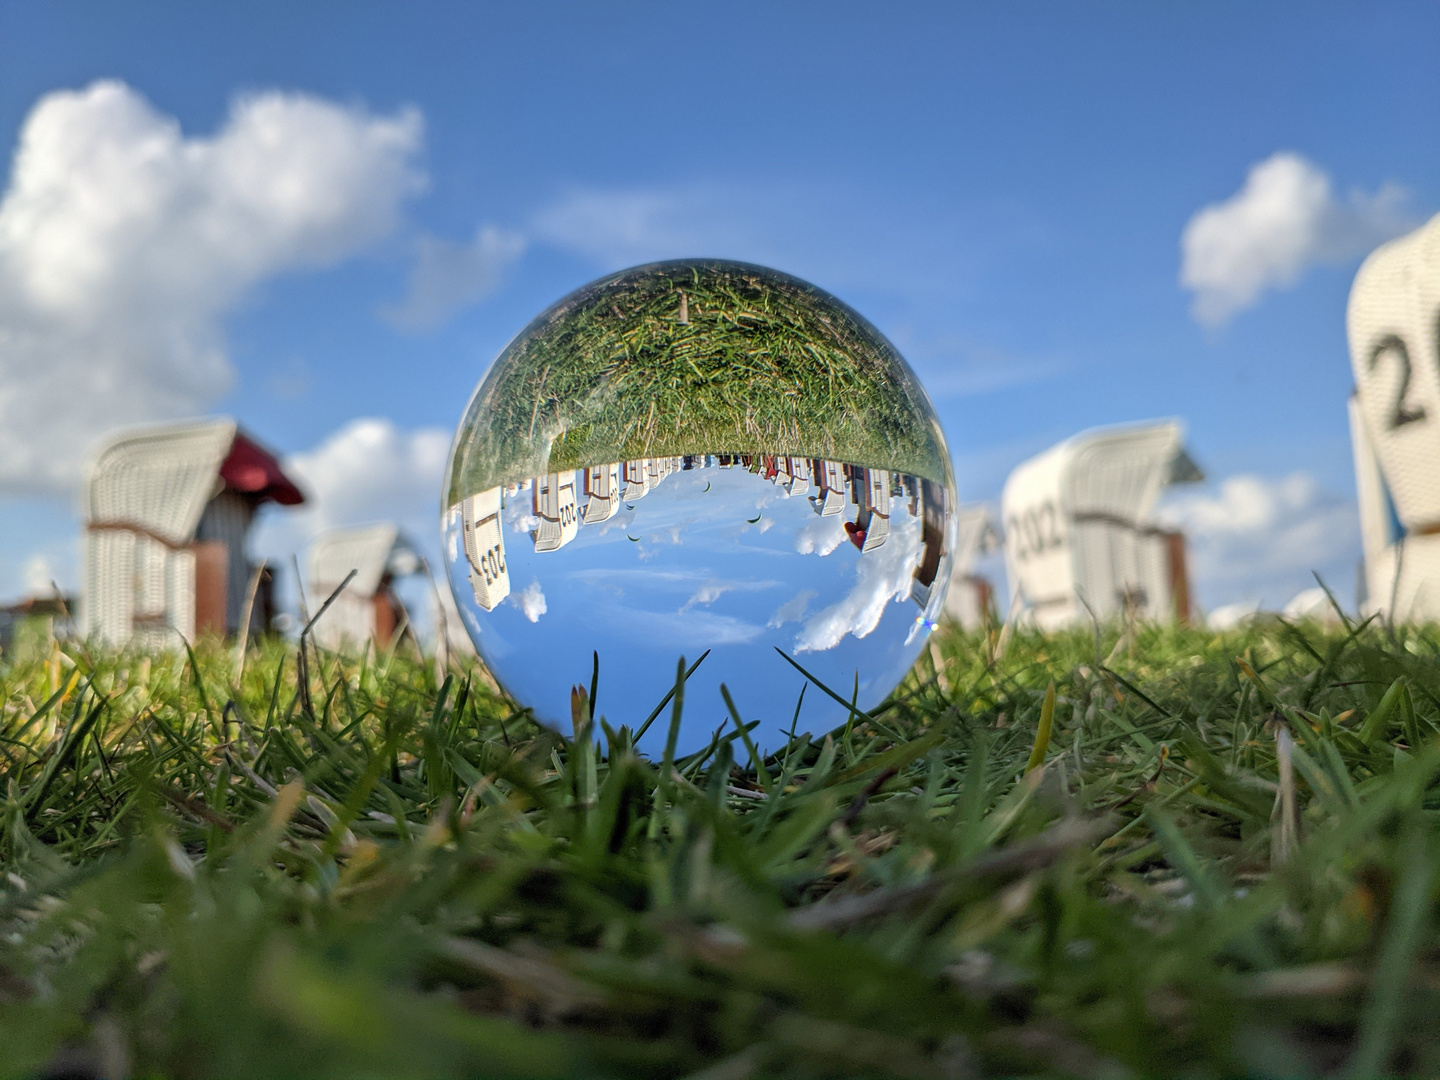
[{"x": 699, "y": 455}]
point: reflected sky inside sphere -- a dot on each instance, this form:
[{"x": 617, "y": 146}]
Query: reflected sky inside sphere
[{"x": 699, "y": 456}]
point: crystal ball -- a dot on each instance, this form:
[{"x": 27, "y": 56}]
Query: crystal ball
[{"x": 696, "y": 458}]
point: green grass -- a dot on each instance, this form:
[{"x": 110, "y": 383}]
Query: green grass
[
  {"x": 1221, "y": 864},
  {"x": 760, "y": 363}
]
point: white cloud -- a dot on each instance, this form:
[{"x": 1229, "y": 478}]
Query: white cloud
[
  {"x": 368, "y": 471},
  {"x": 708, "y": 593},
  {"x": 530, "y": 600},
  {"x": 657, "y": 580},
  {"x": 522, "y": 522},
  {"x": 39, "y": 574},
  {"x": 1229, "y": 616},
  {"x": 793, "y": 610},
  {"x": 692, "y": 629},
  {"x": 714, "y": 588},
  {"x": 820, "y": 535},
  {"x": 1258, "y": 538},
  {"x": 881, "y": 576},
  {"x": 1285, "y": 219},
  {"x": 447, "y": 276},
  {"x": 123, "y": 243},
  {"x": 1312, "y": 603}
]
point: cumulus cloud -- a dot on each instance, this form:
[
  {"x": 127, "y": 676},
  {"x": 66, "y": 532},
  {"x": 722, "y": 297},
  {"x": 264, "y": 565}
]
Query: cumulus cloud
[
  {"x": 519, "y": 517},
  {"x": 530, "y": 600},
  {"x": 881, "y": 576},
  {"x": 1259, "y": 538},
  {"x": 820, "y": 535},
  {"x": 369, "y": 470},
  {"x": 1285, "y": 219},
  {"x": 124, "y": 242},
  {"x": 447, "y": 276}
]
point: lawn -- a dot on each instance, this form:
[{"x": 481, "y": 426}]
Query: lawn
[
  {"x": 1144, "y": 852},
  {"x": 694, "y": 358}
]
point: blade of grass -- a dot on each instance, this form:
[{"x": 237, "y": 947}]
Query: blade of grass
[{"x": 1042, "y": 732}]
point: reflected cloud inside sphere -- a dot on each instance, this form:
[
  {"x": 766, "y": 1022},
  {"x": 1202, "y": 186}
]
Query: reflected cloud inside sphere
[
  {"x": 738, "y": 527},
  {"x": 742, "y": 555}
]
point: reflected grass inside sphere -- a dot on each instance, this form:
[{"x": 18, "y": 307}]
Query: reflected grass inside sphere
[{"x": 694, "y": 456}]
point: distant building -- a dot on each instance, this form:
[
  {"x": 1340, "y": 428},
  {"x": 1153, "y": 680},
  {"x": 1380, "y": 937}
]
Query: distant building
[
  {"x": 485, "y": 547},
  {"x": 1080, "y": 540},
  {"x": 1393, "y": 323},
  {"x": 167, "y": 512},
  {"x": 367, "y": 608}
]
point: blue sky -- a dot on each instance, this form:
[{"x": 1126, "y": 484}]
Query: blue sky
[{"x": 1002, "y": 189}]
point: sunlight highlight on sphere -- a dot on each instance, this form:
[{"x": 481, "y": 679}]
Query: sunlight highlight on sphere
[{"x": 691, "y": 456}]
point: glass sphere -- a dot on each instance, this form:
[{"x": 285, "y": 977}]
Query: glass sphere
[{"x": 700, "y": 455}]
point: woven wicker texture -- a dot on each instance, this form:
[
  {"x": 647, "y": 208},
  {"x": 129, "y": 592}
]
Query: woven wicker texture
[
  {"x": 1394, "y": 329},
  {"x": 1405, "y": 580},
  {"x": 144, "y": 496},
  {"x": 374, "y": 552},
  {"x": 1079, "y": 538},
  {"x": 474, "y": 526}
]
